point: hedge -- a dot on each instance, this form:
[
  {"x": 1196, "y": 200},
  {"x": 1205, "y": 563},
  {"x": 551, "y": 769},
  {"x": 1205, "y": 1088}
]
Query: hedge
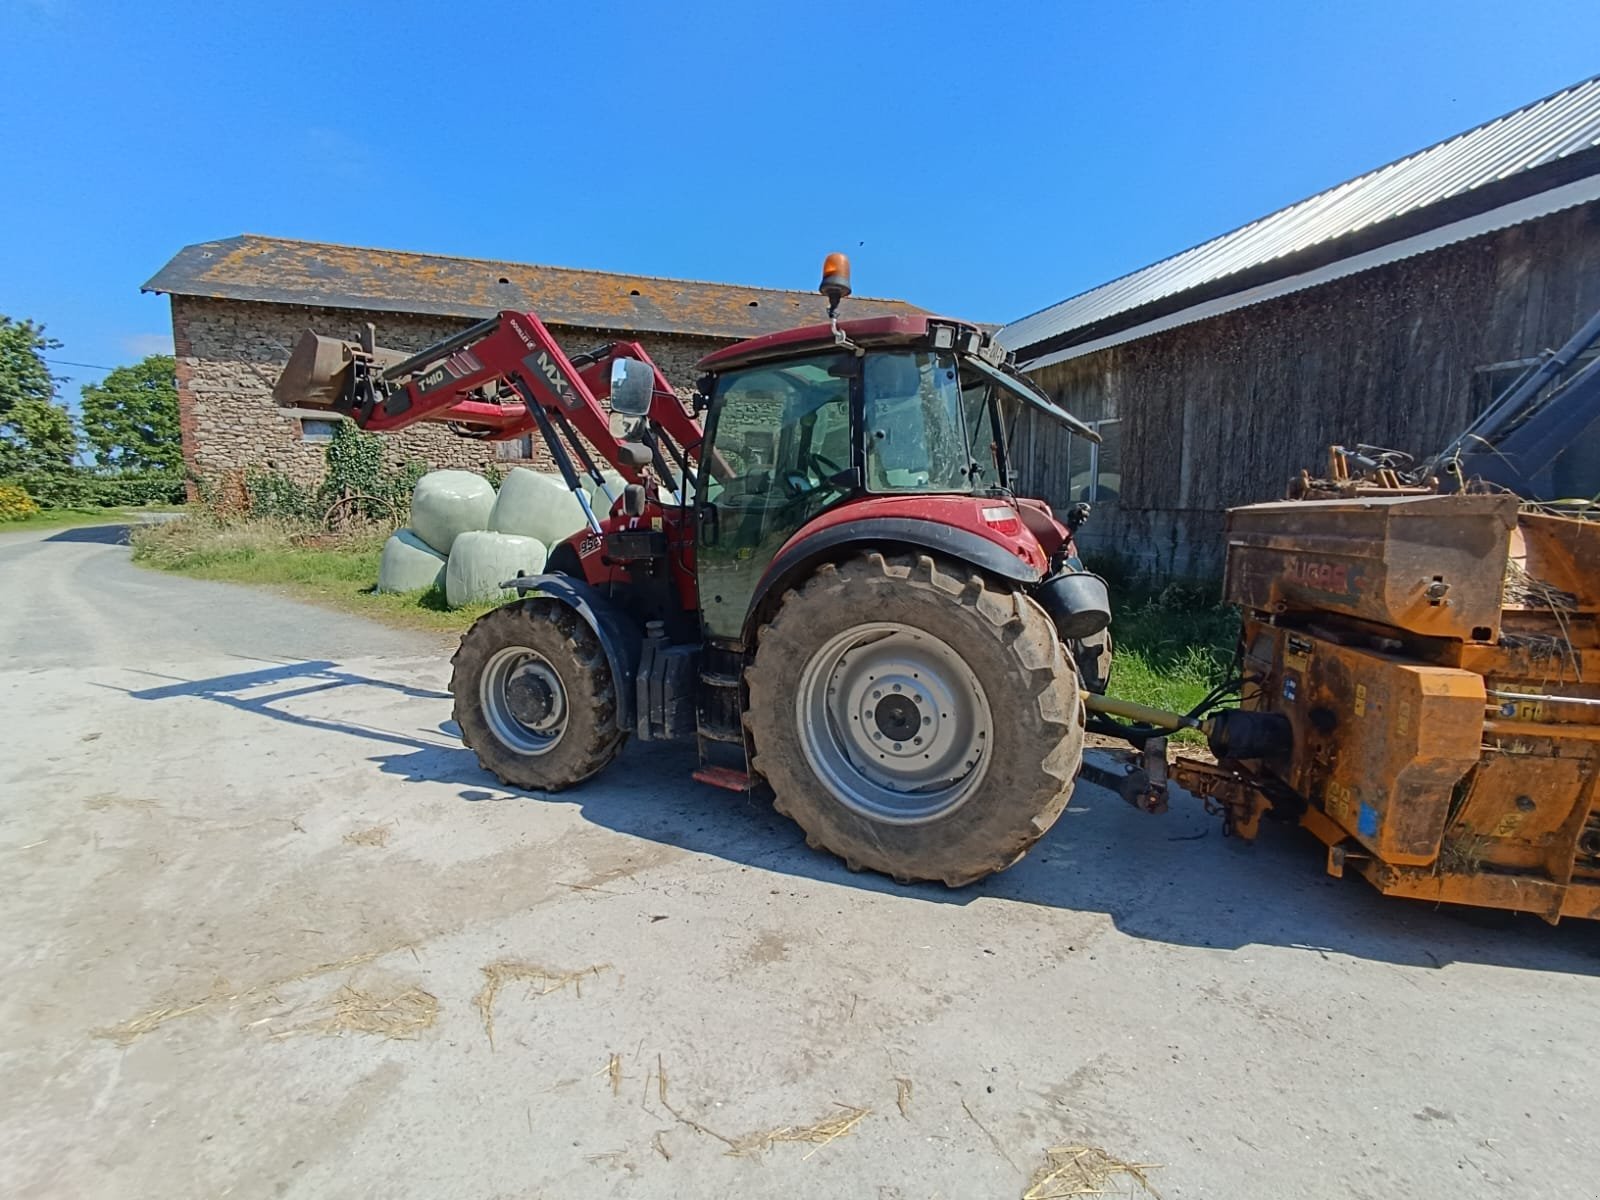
[{"x": 85, "y": 489}]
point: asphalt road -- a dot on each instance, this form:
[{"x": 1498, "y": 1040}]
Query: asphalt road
[{"x": 253, "y": 884}]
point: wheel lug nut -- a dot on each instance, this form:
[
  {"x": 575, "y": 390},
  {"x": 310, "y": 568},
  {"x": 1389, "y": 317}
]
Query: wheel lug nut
[
  {"x": 927, "y": 720},
  {"x": 897, "y": 745},
  {"x": 877, "y": 695},
  {"x": 897, "y": 687}
]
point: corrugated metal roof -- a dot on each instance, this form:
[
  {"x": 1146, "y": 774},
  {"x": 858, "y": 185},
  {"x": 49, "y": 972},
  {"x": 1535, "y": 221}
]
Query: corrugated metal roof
[
  {"x": 285, "y": 271},
  {"x": 1503, "y": 160}
]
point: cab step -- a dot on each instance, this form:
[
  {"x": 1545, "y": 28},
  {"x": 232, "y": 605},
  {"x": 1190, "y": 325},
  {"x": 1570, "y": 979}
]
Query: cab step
[{"x": 724, "y": 777}]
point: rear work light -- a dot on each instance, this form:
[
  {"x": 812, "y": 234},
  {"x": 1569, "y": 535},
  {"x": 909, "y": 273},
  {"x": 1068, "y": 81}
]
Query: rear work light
[{"x": 1003, "y": 520}]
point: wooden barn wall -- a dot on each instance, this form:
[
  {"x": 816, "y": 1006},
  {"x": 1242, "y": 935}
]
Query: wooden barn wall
[{"x": 1225, "y": 411}]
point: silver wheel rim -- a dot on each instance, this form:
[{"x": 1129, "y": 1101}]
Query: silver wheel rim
[
  {"x": 894, "y": 723},
  {"x": 523, "y": 700}
]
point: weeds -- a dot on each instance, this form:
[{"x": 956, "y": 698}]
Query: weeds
[{"x": 1172, "y": 646}]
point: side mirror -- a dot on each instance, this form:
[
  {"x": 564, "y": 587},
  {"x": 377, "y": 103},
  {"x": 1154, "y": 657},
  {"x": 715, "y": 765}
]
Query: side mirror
[{"x": 632, "y": 384}]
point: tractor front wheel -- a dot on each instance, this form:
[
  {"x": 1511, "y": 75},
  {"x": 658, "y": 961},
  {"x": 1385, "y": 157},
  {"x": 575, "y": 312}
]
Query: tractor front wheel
[
  {"x": 534, "y": 696},
  {"x": 913, "y": 720}
]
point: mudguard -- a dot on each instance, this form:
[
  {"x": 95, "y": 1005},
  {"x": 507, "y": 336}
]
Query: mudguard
[
  {"x": 619, "y": 637},
  {"x": 797, "y": 559}
]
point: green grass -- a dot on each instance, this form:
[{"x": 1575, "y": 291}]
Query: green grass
[
  {"x": 68, "y": 518},
  {"x": 1172, "y": 647},
  {"x": 335, "y": 572}
]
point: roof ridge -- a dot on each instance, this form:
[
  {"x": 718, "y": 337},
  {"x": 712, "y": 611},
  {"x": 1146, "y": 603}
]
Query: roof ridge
[
  {"x": 1304, "y": 200},
  {"x": 506, "y": 262}
]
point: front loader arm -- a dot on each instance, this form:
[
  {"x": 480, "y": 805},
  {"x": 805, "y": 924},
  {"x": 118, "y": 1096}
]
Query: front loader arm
[{"x": 497, "y": 380}]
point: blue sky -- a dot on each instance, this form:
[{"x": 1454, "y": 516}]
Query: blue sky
[{"x": 981, "y": 159}]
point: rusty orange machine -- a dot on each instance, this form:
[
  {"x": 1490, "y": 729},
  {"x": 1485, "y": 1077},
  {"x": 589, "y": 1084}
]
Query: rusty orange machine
[{"x": 1437, "y": 660}]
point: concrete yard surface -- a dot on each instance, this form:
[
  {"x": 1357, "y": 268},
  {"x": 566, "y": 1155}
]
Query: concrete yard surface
[{"x": 263, "y": 912}]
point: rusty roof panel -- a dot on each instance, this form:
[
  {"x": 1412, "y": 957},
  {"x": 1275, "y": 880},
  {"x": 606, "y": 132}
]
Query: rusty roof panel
[{"x": 286, "y": 271}]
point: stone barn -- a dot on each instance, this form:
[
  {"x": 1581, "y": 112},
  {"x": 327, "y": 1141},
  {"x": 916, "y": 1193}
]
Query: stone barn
[
  {"x": 1388, "y": 310},
  {"x": 239, "y": 304}
]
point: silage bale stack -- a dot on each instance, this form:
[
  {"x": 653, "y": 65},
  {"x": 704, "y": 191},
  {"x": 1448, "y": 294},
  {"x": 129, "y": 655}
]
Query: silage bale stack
[{"x": 467, "y": 540}]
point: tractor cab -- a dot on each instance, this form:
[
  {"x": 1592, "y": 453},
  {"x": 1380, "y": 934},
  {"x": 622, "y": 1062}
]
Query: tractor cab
[{"x": 901, "y": 419}]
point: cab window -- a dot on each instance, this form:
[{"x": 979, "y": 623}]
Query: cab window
[{"x": 916, "y": 437}]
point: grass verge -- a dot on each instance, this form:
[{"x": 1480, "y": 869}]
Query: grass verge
[
  {"x": 335, "y": 571},
  {"x": 1172, "y": 647},
  {"x": 69, "y": 518}
]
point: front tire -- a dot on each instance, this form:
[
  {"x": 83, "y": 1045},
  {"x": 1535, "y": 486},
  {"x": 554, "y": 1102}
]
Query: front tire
[
  {"x": 534, "y": 696},
  {"x": 913, "y": 720}
]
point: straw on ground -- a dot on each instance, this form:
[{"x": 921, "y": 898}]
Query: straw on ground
[
  {"x": 541, "y": 980},
  {"x": 221, "y": 996},
  {"x": 1087, "y": 1171},
  {"x": 376, "y": 835},
  {"x": 400, "y": 1015},
  {"x": 818, "y": 1133}
]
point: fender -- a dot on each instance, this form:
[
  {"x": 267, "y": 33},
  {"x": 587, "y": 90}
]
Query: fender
[
  {"x": 806, "y": 550},
  {"x": 620, "y": 638}
]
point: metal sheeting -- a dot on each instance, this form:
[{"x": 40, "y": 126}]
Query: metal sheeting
[{"x": 1530, "y": 137}]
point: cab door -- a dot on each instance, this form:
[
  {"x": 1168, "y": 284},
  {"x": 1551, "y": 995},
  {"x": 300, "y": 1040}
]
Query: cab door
[{"x": 782, "y": 452}]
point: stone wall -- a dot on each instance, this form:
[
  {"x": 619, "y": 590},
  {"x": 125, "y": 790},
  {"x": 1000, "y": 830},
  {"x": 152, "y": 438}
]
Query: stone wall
[{"x": 230, "y": 352}]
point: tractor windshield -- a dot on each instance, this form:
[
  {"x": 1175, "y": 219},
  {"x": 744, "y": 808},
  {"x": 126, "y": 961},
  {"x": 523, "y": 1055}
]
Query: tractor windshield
[{"x": 929, "y": 425}]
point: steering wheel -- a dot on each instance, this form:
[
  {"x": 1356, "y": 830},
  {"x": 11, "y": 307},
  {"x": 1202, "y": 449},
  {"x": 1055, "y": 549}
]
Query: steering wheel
[{"x": 819, "y": 460}]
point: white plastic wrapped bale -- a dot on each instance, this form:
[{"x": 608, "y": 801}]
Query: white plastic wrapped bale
[
  {"x": 446, "y": 504},
  {"x": 409, "y": 564},
  {"x": 536, "y": 505},
  {"x": 481, "y": 561},
  {"x": 596, "y": 494}
]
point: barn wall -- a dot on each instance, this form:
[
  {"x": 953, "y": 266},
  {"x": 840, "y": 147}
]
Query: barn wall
[
  {"x": 230, "y": 352},
  {"x": 1226, "y": 411}
]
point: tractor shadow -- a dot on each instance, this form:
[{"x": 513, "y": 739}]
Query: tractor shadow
[{"x": 1172, "y": 878}]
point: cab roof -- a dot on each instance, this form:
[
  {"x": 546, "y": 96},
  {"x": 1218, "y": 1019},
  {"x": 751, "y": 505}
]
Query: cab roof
[{"x": 865, "y": 330}]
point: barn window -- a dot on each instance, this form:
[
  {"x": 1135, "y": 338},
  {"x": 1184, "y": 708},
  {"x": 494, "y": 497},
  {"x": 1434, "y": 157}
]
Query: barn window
[
  {"x": 1491, "y": 381},
  {"x": 316, "y": 429},
  {"x": 1094, "y": 471},
  {"x": 515, "y": 448}
]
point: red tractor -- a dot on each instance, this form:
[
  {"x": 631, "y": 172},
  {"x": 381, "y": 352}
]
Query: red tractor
[{"x": 830, "y": 584}]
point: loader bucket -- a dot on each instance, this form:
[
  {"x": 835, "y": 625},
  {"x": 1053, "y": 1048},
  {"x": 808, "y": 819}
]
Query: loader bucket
[{"x": 314, "y": 377}]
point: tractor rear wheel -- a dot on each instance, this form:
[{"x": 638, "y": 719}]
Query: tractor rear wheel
[
  {"x": 914, "y": 720},
  {"x": 534, "y": 696}
]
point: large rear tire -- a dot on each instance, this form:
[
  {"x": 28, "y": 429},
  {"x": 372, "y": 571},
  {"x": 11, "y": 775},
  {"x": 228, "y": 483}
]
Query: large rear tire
[
  {"x": 913, "y": 720},
  {"x": 534, "y": 696}
]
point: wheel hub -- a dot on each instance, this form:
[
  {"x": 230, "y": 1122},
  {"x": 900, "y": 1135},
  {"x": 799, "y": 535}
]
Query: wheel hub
[
  {"x": 894, "y": 723},
  {"x": 898, "y": 717},
  {"x": 523, "y": 700},
  {"x": 533, "y": 696}
]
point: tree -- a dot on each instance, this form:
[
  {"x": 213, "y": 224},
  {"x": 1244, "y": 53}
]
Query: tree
[
  {"x": 23, "y": 373},
  {"x": 41, "y": 437},
  {"x": 35, "y": 431},
  {"x": 130, "y": 417}
]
